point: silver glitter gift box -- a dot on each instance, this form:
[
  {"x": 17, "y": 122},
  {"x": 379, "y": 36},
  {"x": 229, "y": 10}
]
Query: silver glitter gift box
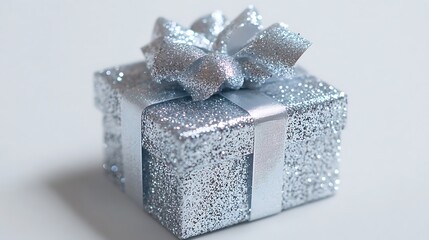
[
  {"x": 196, "y": 167},
  {"x": 199, "y": 166}
]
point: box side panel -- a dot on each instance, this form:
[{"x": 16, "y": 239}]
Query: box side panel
[
  {"x": 207, "y": 145},
  {"x": 162, "y": 192},
  {"x": 313, "y": 152},
  {"x": 198, "y": 201},
  {"x": 311, "y": 169},
  {"x": 216, "y": 196}
]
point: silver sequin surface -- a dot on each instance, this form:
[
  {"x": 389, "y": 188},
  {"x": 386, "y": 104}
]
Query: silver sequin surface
[{"x": 198, "y": 154}]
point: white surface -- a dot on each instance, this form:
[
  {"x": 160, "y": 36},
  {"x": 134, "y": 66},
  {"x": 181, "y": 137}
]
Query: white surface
[{"x": 51, "y": 186}]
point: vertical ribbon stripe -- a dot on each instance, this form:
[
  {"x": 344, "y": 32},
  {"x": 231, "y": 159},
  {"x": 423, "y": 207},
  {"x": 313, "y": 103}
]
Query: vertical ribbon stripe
[{"x": 270, "y": 119}]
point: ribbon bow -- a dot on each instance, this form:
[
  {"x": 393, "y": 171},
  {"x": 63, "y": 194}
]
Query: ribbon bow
[{"x": 213, "y": 55}]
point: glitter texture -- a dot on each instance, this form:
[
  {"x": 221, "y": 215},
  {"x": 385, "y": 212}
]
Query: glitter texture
[{"x": 197, "y": 155}]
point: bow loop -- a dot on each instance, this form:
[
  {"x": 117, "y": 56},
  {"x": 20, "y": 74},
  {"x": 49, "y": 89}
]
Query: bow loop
[
  {"x": 238, "y": 32},
  {"x": 172, "y": 58},
  {"x": 276, "y": 48},
  {"x": 211, "y": 25},
  {"x": 168, "y": 29},
  {"x": 213, "y": 55}
]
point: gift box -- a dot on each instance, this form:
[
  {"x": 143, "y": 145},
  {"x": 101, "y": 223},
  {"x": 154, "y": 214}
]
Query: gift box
[{"x": 235, "y": 156}]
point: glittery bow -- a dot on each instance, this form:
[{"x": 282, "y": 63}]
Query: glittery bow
[{"x": 213, "y": 55}]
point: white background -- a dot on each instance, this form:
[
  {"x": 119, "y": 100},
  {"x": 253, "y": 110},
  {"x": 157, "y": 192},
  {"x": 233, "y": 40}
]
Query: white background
[{"x": 51, "y": 185}]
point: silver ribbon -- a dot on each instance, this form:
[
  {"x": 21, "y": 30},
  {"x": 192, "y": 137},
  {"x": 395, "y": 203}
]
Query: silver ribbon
[
  {"x": 270, "y": 119},
  {"x": 214, "y": 55}
]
